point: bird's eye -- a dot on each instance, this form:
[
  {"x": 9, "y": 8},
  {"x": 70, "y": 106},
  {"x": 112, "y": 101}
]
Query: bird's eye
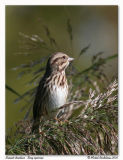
[{"x": 64, "y": 57}]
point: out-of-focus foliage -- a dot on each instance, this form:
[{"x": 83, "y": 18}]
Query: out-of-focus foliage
[{"x": 37, "y": 67}]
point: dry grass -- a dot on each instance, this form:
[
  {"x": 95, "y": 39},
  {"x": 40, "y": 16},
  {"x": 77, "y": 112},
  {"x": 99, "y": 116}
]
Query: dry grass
[{"x": 92, "y": 130}]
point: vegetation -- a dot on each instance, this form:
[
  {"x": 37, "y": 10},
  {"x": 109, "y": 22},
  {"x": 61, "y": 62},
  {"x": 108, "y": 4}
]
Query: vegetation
[{"x": 89, "y": 124}]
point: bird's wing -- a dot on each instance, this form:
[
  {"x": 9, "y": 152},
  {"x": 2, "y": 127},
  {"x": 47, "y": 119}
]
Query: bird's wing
[{"x": 39, "y": 100}]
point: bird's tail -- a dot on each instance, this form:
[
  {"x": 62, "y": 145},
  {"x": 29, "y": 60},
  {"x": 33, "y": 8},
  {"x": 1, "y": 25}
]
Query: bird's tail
[{"x": 35, "y": 126}]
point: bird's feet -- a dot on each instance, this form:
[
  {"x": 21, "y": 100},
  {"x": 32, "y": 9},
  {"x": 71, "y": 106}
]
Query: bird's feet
[{"x": 60, "y": 121}]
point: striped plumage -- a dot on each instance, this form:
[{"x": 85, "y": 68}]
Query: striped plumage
[{"x": 53, "y": 88}]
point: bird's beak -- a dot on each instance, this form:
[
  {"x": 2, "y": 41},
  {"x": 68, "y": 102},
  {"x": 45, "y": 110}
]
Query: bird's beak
[{"x": 70, "y": 59}]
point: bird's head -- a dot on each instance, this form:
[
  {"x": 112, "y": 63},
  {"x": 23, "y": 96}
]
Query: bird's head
[{"x": 58, "y": 62}]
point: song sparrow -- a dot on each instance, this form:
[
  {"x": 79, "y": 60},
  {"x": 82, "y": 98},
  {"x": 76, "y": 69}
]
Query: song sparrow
[{"x": 53, "y": 88}]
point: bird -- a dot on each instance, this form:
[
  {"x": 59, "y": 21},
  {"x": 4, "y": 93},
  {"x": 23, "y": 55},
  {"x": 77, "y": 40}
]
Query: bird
[{"x": 52, "y": 90}]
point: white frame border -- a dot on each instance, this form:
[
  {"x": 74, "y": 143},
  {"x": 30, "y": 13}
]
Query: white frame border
[{"x": 3, "y": 3}]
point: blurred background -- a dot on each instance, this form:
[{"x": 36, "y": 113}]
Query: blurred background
[{"x": 62, "y": 28}]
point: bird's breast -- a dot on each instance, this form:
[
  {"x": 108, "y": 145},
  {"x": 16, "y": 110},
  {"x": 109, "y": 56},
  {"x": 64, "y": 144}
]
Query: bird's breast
[
  {"x": 57, "y": 97},
  {"x": 57, "y": 91}
]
